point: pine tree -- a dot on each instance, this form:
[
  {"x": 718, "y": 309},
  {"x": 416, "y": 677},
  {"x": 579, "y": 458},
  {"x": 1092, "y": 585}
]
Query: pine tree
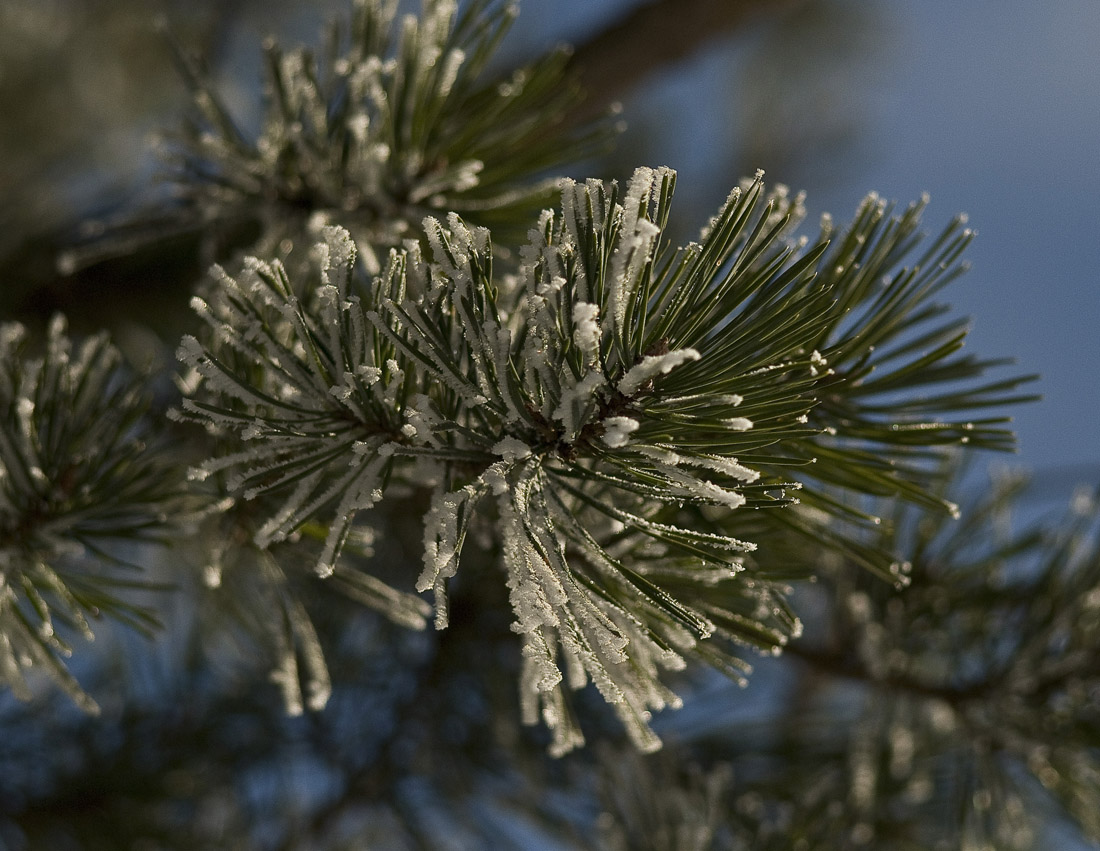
[{"x": 472, "y": 487}]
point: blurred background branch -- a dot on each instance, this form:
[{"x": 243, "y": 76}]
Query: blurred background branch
[{"x": 654, "y": 35}]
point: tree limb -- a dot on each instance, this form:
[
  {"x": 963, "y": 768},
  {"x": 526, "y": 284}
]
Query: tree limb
[{"x": 657, "y": 34}]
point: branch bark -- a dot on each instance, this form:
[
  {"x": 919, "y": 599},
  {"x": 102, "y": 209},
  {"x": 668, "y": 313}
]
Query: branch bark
[
  {"x": 836, "y": 665},
  {"x": 657, "y": 34}
]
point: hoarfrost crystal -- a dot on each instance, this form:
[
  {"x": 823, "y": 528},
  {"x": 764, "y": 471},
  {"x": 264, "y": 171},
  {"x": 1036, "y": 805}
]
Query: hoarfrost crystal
[{"x": 651, "y": 366}]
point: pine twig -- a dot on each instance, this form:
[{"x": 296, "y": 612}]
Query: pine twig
[{"x": 657, "y": 34}]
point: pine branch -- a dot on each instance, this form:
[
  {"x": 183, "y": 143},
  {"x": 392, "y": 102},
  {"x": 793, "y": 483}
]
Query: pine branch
[
  {"x": 395, "y": 120},
  {"x": 621, "y": 451},
  {"x": 969, "y": 709},
  {"x": 419, "y": 733},
  {"x": 81, "y": 471},
  {"x": 615, "y": 60},
  {"x": 605, "y": 404}
]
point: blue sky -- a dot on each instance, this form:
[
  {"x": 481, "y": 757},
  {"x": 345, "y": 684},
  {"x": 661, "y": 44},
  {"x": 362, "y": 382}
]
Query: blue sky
[{"x": 1001, "y": 108}]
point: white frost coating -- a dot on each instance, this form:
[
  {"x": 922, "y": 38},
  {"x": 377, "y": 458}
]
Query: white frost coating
[
  {"x": 437, "y": 241},
  {"x": 445, "y": 528},
  {"x": 451, "y": 64},
  {"x": 397, "y": 377},
  {"x": 369, "y": 374},
  {"x": 358, "y": 486},
  {"x": 692, "y": 487},
  {"x": 496, "y": 479},
  {"x": 586, "y": 329},
  {"x": 360, "y": 492},
  {"x": 421, "y": 416},
  {"x": 652, "y": 366},
  {"x": 339, "y": 255},
  {"x": 551, "y": 607},
  {"x": 511, "y": 449},
  {"x": 724, "y": 542},
  {"x": 550, "y": 288},
  {"x": 637, "y": 243},
  {"x": 500, "y": 340},
  {"x": 343, "y": 390},
  {"x": 574, "y": 401},
  {"x": 818, "y": 364},
  {"x": 581, "y": 214},
  {"x": 710, "y": 492},
  {"x": 634, "y": 251},
  {"x": 191, "y": 353},
  {"x": 278, "y": 525},
  {"x": 715, "y": 463},
  {"x": 732, "y": 199},
  {"x": 441, "y": 370},
  {"x": 618, "y": 430},
  {"x": 533, "y": 601},
  {"x": 728, "y": 466},
  {"x": 638, "y": 193},
  {"x": 573, "y": 214},
  {"x": 711, "y": 399},
  {"x": 442, "y": 527},
  {"x": 659, "y": 453}
]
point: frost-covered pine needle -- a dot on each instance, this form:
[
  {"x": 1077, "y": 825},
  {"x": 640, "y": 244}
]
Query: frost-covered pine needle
[{"x": 609, "y": 420}]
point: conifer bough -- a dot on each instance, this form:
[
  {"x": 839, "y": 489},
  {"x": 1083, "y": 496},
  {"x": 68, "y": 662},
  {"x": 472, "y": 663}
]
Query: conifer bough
[
  {"x": 398, "y": 119},
  {"x": 609, "y": 408},
  {"x": 81, "y": 470},
  {"x": 631, "y": 452}
]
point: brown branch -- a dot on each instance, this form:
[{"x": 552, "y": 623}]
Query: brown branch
[
  {"x": 836, "y": 665},
  {"x": 657, "y": 34}
]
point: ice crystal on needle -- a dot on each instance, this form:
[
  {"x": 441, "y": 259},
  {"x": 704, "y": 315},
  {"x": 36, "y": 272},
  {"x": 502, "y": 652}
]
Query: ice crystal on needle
[
  {"x": 617, "y": 430},
  {"x": 651, "y": 366}
]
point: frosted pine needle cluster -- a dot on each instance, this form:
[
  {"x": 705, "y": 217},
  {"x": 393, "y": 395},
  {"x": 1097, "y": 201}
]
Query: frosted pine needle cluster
[
  {"x": 611, "y": 412},
  {"x": 79, "y": 473},
  {"x": 933, "y": 681},
  {"x": 318, "y": 418},
  {"x": 400, "y": 119}
]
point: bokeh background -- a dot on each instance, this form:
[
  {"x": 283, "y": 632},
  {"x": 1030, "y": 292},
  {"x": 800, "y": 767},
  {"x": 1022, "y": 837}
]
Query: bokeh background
[{"x": 993, "y": 108}]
